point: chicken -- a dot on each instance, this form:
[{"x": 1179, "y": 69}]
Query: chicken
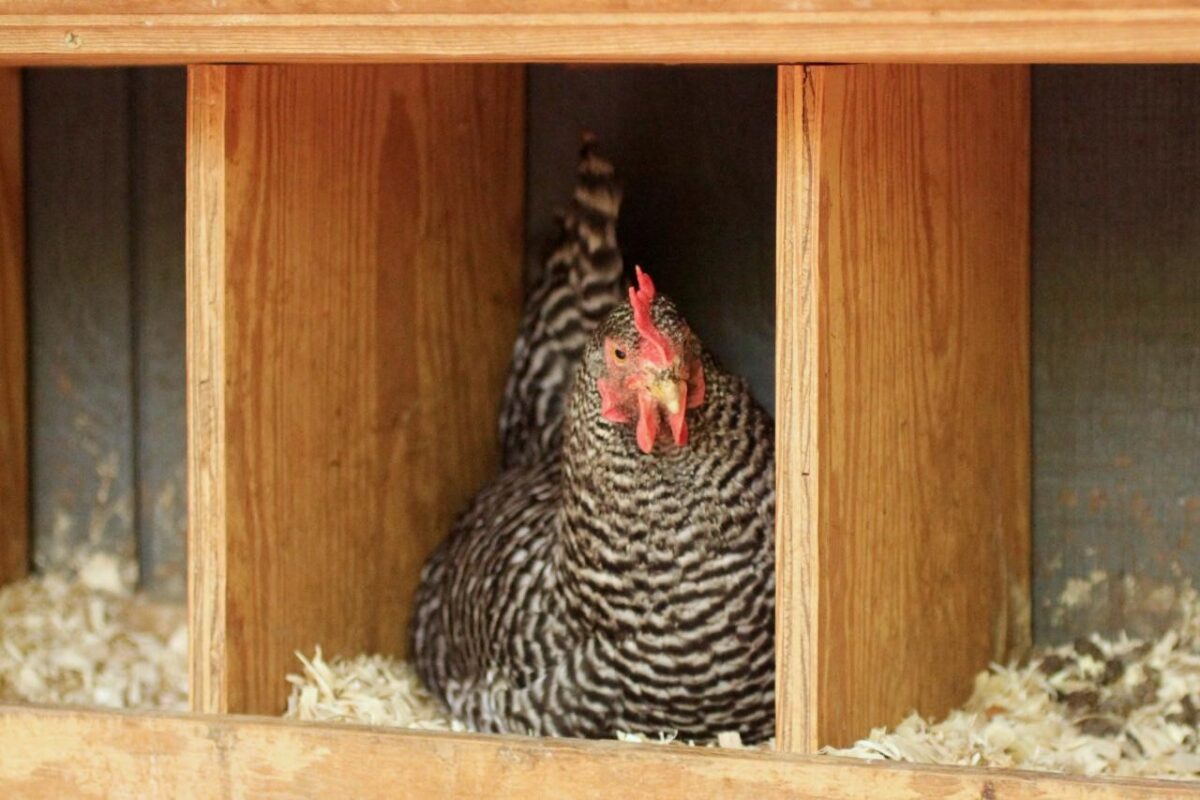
[
  {"x": 579, "y": 285},
  {"x": 618, "y": 574}
]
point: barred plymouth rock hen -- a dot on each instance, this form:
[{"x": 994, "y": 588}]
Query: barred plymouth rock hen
[{"x": 619, "y": 573}]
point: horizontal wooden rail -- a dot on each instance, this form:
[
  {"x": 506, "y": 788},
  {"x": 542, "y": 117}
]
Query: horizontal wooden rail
[
  {"x": 74, "y": 753},
  {"x": 765, "y": 31}
]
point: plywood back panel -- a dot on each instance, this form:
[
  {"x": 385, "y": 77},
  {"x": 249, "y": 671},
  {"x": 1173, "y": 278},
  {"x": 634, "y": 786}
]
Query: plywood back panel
[
  {"x": 903, "y": 389},
  {"x": 354, "y": 270},
  {"x": 14, "y": 459}
]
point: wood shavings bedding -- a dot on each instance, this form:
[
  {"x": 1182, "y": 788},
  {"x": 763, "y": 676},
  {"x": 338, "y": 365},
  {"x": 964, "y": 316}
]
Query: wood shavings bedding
[
  {"x": 90, "y": 640},
  {"x": 379, "y": 690},
  {"x": 370, "y": 689},
  {"x": 1098, "y": 706}
]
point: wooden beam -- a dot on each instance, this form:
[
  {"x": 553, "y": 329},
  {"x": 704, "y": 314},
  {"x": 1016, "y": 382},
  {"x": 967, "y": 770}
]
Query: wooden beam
[
  {"x": 354, "y": 285},
  {"x": 657, "y": 8},
  {"x": 75, "y": 753},
  {"x": 903, "y": 399},
  {"x": 14, "y": 416},
  {"x": 770, "y": 31}
]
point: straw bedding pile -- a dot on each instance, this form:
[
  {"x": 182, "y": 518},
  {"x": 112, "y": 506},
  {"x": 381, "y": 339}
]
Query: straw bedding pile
[
  {"x": 90, "y": 640},
  {"x": 1097, "y": 706}
]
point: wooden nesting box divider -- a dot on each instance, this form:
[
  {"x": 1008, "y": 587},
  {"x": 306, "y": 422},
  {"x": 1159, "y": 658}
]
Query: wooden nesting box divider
[
  {"x": 355, "y": 244},
  {"x": 14, "y": 459},
  {"x": 902, "y": 369}
]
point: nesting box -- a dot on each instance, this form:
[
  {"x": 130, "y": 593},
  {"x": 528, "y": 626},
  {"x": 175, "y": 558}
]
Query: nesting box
[{"x": 354, "y": 236}]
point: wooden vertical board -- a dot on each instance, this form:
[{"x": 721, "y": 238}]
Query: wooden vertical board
[
  {"x": 157, "y": 145},
  {"x": 77, "y": 170},
  {"x": 903, "y": 390},
  {"x": 798, "y": 508},
  {"x": 14, "y": 457},
  {"x": 1116, "y": 320},
  {"x": 354, "y": 271},
  {"x": 206, "y": 313}
]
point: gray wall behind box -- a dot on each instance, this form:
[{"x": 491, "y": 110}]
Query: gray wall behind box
[
  {"x": 105, "y": 199},
  {"x": 694, "y": 148},
  {"x": 80, "y": 325},
  {"x": 1116, "y": 345},
  {"x": 1116, "y": 294}
]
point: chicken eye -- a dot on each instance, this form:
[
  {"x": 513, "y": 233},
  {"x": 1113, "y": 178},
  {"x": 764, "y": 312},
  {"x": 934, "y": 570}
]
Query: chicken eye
[{"x": 618, "y": 354}]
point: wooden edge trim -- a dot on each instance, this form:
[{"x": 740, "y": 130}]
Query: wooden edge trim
[
  {"x": 985, "y": 35},
  {"x": 798, "y": 512},
  {"x": 14, "y": 338},
  {"x": 207, "y": 547},
  {"x": 77, "y": 753}
]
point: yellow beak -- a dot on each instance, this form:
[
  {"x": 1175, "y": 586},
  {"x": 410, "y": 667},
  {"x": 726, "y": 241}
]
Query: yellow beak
[{"x": 670, "y": 393}]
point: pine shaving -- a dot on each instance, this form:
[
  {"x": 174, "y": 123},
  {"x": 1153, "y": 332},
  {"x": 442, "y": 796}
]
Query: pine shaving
[
  {"x": 380, "y": 690},
  {"x": 90, "y": 640},
  {"x": 367, "y": 689},
  {"x": 1120, "y": 706},
  {"x": 1098, "y": 706}
]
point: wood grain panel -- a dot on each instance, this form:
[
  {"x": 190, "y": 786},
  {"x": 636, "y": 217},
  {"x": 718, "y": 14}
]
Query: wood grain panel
[
  {"x": 903, "y": 390},
  {"x": 798, "y": 328},
  {"x": 14, "y": 456},
  {"x": 73, "y": 753},
  {"x": 607, "y": 30},
  {"x": 656, "y": 7},
  {"x": 351, "y": 319},
  {"x": 207, "y": 311},
  {"x": 81, "y": 318}
]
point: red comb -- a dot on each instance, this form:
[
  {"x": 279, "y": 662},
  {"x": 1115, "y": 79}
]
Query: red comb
[{"x": 658, "y": 349}]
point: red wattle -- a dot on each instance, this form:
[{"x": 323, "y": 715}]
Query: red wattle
[{"x": 647, "y": 427}]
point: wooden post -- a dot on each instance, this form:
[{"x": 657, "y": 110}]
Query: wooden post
[
  {"x": 903, "y": 390},
  {"x": 354, "y": 261},
  {"x": 14, "y": 456}
]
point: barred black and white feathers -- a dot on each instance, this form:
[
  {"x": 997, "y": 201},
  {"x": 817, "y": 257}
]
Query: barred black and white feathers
[
  {"x": 618, "y": 575},
  {"x": 579, "y": 284}
]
